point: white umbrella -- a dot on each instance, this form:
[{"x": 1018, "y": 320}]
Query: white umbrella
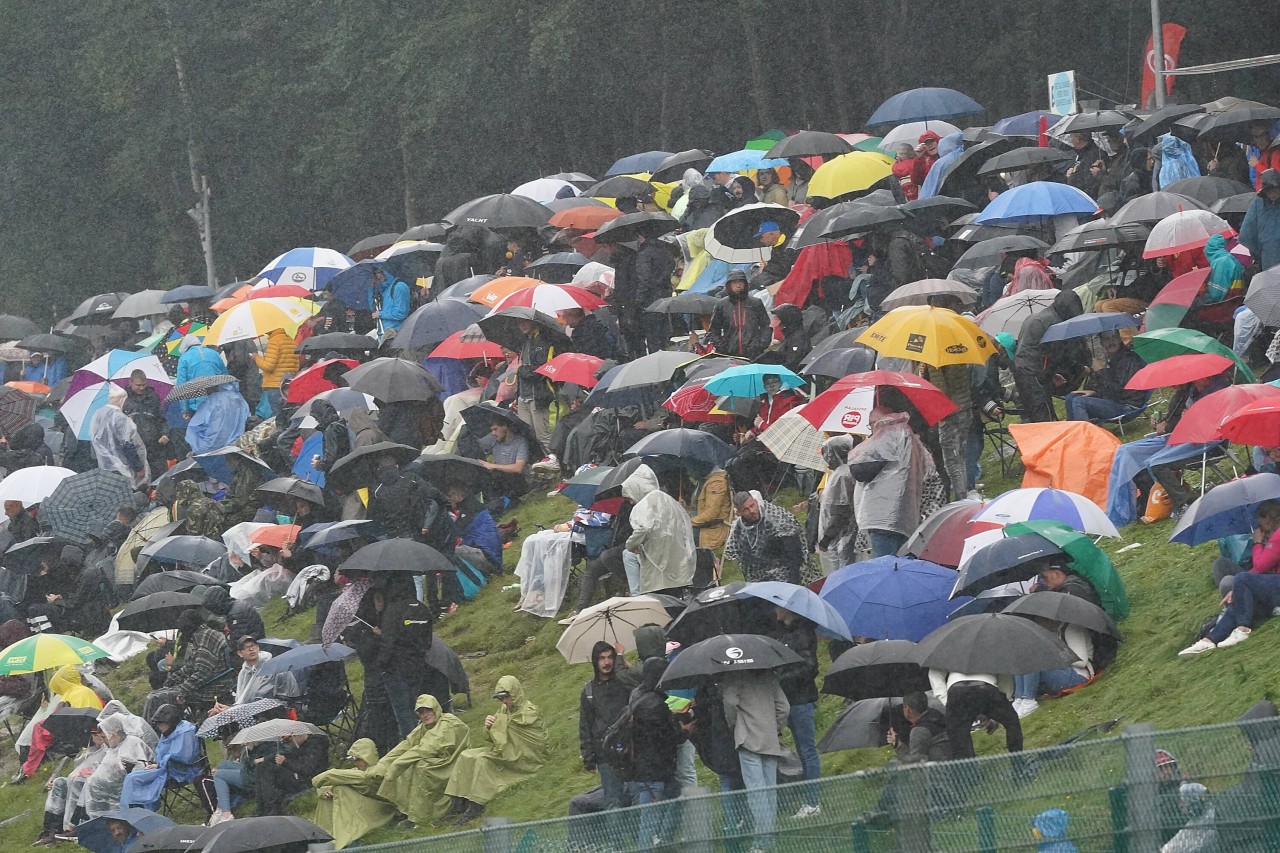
[
  {"x": 1010, "y": 312},
  {"x": 910, "y": 133},
  {"x": 144, "y": 303},
  {"x": 274, "y": 730},
  {"x": 544, "y": 190},
  {"x": 918, "y": 293},
  {"x": 1184, "y": 231},
  {"x": 613, "y": 621},
  {"x": 32, "y": 485},
  {"x": 404, "y": 247}
]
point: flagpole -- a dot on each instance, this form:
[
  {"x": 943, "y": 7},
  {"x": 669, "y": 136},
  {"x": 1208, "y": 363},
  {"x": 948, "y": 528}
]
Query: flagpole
[{"x": 1157, "y": 51}]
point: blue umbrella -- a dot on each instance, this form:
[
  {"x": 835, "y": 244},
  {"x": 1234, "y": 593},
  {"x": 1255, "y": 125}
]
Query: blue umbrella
[
  {"x": 187, "y": 292},
  {"x": 689, "y": 445},
  {"x": 330, "y": 532},
  {"x": 302, "y": 468},
  {"x": 924, "y": 104},
  {"x": 891, "y": 598},
  {"x": 305, "y": 657},
  {"x": 1024, "y": 124},
  {"x": 352, "y": 285},
  {"x": 747, "y": 380},
  {"x": 94, "y": 836},
  {"x": 1225, "y": 510},
  {"x": 460, "y": 290},
  {"x": 802, "y": 601},
  {"x": 1089, "y": 324},
  {"x": 1036, "y": 201},
  {"x": 583, "y": 486},
  {"x": 431, "y": 324},
  {"x": 643, "y": 162},
  {"x": 744, "y": 161}
]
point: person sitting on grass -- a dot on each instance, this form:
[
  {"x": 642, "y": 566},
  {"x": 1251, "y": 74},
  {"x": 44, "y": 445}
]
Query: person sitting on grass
[
  {"x": 413, "y": 774},
  {"x": 348, "y": 806}
]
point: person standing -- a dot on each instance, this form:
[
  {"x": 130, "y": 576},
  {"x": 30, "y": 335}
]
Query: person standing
[
  {"x": 656, "y": 736},
  {"x": 602, "y": 702},
  {"x": 654, "y": 265},
  {"x": 798, "y": 685},
  {"x": 889, "y": 470},
  {"x": 534, "y": 392},
  {"x": 756, "y": 709},
  {"x": 739, "y": 324},
  {"x": 389, "y": 301},
  {"x": 277, "y": 361}
]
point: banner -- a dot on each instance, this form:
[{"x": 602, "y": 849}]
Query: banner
[
  {"x": 1173, "y": 34},
  {"x": 1062, "y": 93}
]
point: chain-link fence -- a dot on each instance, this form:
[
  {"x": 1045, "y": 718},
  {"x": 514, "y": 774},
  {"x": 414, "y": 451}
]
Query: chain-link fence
[{"x": 1210, "y": 788}]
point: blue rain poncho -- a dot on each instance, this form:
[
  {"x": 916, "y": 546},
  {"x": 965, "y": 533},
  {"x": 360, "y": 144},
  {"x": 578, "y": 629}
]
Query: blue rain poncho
[
  {"x": 197, "y": 360},
  {"x": 219, "y": 420},
  {"x": 1176, "y": 160}
]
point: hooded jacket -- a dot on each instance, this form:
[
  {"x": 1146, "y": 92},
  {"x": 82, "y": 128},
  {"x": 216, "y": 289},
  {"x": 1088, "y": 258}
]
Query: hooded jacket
[
  {"x": 1051, "y": 832},
  {"x": 26, "y": 449},
  {"x": 353, "y": 808},
  {"x": 219, "y": 419},
  {"x": 655, "y": 732},
  {"x": 66, "y": 682},
  {"x": 661, "y": 534},
  {"x": 1260, "y": 231},
  {"x": 517, "y": 749},
  {"x": 1031, "y": 355},
  {"x": 890, "y": 468},
  {"x": 1225, "y": 272},
  {"x": 740, "y": 326},
  {"x": 416, "y": 771},
  {"x": 197, "y": 360},
  {"x": 337, "y": 439},
  {"x": 600, "y": 705}
]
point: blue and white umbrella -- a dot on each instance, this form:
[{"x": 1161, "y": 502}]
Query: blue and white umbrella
[
  {"x": 891, "y": 598},
  {"x": 307, "y": 267},
  {"x": 803, "y": 602},
  {"x": 1075, "y": 511},
  {"x": 1035, "y": 202},
  {"x": 746, "y": 160},
  {"x": 1089, "y": 324}
]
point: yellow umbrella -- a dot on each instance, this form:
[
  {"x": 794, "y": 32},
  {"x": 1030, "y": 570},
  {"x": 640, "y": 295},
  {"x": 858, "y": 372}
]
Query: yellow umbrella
[
  {"x": 935, "y": 336},
  {"x": 258, "y": 317},
  {"x": 47, "y": 651},
  {"x": 849, "y": 173}
]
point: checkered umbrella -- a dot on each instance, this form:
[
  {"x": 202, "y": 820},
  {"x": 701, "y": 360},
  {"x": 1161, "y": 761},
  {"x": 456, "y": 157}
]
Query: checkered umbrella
[
  {"x": 85, "y": 504},
  {"x": 17, "y": 409},
  {"x": 274, "y": 730},
  {"x": 795, "y": 441},
  {"x": 201, "y": 386},
  {"x": 239, "y": 716}
]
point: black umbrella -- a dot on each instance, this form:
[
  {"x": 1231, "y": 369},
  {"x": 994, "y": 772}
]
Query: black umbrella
[
  {"x": 1100, "y": 234},
  {"x": 503, "y": 328},
  {"x": 1089, "y": 122},
  {"x": 808, "y": 143},
  {"x": 673, "y": 167},
  {"x": 1206, "y": 189},
  {"x": 860, "y": 220},
  {"x": 717, "y": 611},
  {"x": 838, "y": 341},
  {"x": 393, "y": 380},
  {"x": 620, "y": 186},
  {"x": 480, "y": 417},
  {"x": 559, "y": 204},
  {"x": 989, "y": 251},
  {"x": 994, "y": 643},
  {"x": 357, "y": 466},
  {"x": 445, "y": 660},
  {"x": 720, "y": 655},
  {"x": 432, "y": 232},
  {"x": 201, "y": 386},
  {"x": 167, "y": 483},
  {"x": 684, "y": 303},
  {"x": 332, "y": 532},
  {"x": 967, "y": 231},
  {"x": 294, "y": 488},
  {"x": 688, "y": 445},
  {"x": 501, "y": 210},
  {"x": 462, "y": 289},
  {"x": 24, "y": 558},
  {"x": 810, "y": 231},
  {"x": 992, "y": 600},
  {"x": 1013, "y": 558},
  {"x": 1023, "y": 158},
  {"x": 1232, "y": 125},
  {"x": 175, "y": 581},
  {"x": 942, "y": 207},
  {"x": 397, "y": 555},
  {"x": 250, "y": 834},
  {"x": 708, "y": 366},
  {"x": 558, "y": 267},
  {"x": 158, "y": 611},
  {"x": 173, "y": 839},
  {"x": 1064, "y": 608},
  {"x": 50, "y": 342},
  {"x": 191, "y": 550},
  {"x": 962, "y": 174},
  {"x": 82, "y": 505},
  {"x": 1151, "y": 208},
  {"x": 435, "y": 321},
  {"x": 882, "y": 668},
  {"x": 864, "y": 725},
  {"x": 611, "y": 485},
  {"x": 305, "y": 657},
  {"x": 187, "y": 293},
  {"x": 370, "y": 246},
  {"x": 12, "y": 328},
  {"x": 70, "y": 727},
  {"x": 1237, "y": 204},
  {"x": 447, "y": 469},
  {"x": 838, "y": 363},
  {"x": 98, "y": 307},
  {"x": 1145, "y": 130},
  {"x": 338, "y": 342},
  {"x": 626, "y": 228}
]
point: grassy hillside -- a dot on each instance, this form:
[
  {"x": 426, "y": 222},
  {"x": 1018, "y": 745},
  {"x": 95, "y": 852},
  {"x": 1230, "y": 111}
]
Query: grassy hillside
[{"x": 1170, "y": 590}]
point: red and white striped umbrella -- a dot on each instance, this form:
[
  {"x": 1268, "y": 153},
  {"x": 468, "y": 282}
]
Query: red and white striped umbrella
[
  {"x": 550, "y": 298},
  {"x": 846, "y": 405},
  {"x": 1184, "y": 231}
]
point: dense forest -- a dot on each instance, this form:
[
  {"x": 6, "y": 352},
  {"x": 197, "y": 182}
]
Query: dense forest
[{"x": 318, "y": 123}]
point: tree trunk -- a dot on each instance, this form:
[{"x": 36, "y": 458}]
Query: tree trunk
[{"x": 759, "y": 87}]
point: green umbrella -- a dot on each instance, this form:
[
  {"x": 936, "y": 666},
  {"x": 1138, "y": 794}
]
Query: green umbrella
[
  {"x": 766, "y": 140},
  {"x": 872, "y": 144},
  {"x": 1163, "y": 343},
  {"x": 47, "y": 651},
  {"x": 1087, "y": 559}
]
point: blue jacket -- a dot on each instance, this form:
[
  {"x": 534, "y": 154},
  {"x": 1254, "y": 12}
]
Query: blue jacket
[
  {"x": 1260, "y": 232},
  {"x": 219, "y": 420},
  {"x": 950, "y": 147},
  {"x": 51, "y": 371},
  {"x": 392, "y": 303},
  {"x": 177, "y": 758},
  {"x": 198, "y": 361},
  {"x": 483, "y": 533}
]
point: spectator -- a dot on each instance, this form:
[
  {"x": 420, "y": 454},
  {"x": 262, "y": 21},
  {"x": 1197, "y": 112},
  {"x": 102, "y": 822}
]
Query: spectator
[
  {"x": 198, "y": 672},
  {"x": 116, "y": 442},
  {"x": 928, "y": 738},
  {"x": 766, "y": 540},
  {"x": 251, "y": 684},
  {"x": 1049, "y": 829},
  {"x": 1039, "y": 370},
  {"x": 509, "y": 452},
  {"x": 276, "y": 362},
  {"x": 298, "y": 759},
  {"x": 837, "y": 523},
  {"x": 713, "y": 510},
  {"x": 1079, "y": 640},
  {"x": 47, "y": 369},
  {"x": 336, "y": 438},
  {"x": 62, "y": 802},
  {"x": 404, "y": 640},
  {"x": 904, "y": 165},
  {"x": 654, "y": 265},
  {"x": 771, "y": 192},
  {"x": 1226, "y": 274},
  {"x": 479, "y": 542},
  {"x": 587, "y": 334},
  {"x": 347, "y": 803},
  {"x": 890, "y": 469},
  {"x": 661, "y": 535},
  {"x": 415, "y": 773},
  {"x": 926, "y": 154},
  {"x": 603, "y": 700},
  {"x": 798, "y": 685},
  {"x": 123, "y": 753},
  {"x": 1104, "y": 395},
  {"x": 24, "y": 449},
  {"x": 970, "y": 696},
  {"x": 534, "y": 392},
  {"x": 656, "y": 737},
  {"x": 756, "y": 709},
  {"x": 196, "y": 360},
  {"x": 219, "y": 420},
  {"x": 1085, "y": 173},
  {"x": 1169, "y": 474},
  {"x": 177, "y": 759},
  {"x": 739, "y": 323},
  {"x": 389, "y": 301}
]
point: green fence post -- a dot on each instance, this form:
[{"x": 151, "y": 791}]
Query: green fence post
[
  {"x": 1119, "y": 819},
  {"x": 495, "y": 833},
  {"x": 697, "y": 833},
  {"x": 858, "y": 835},
  {"x": 1140, "y": 781},
  {"x": 986, "y": 829}
]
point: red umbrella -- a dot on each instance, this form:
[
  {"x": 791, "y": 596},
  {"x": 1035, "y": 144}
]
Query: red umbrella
[
  {"x": 275, "y": 536},
  {"x": 832, "y": 410},
  {"x": 694, "y": 404},
  {"x": 281, "y": 290},
  {"x": 944, "y": 537},
  {"x": 312, "y": 381},
  {"x": 1202, "y": 420},
  {"x": 1174, "y": 299},
  {"x": 572, "y": 367},
  {"x": 1178, "y": 370},
  {"x": 1257, "y": 423},
  {"x": 550, "y": 299},
  {"x": 454, "y": 347}
]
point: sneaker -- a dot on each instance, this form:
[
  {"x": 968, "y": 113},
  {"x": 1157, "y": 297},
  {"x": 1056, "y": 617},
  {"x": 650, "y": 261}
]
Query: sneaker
[
  {"x": 807, "y": 811},
  {"x": 974, "y": 495},
  {"x": 1198, "y": 647},
  {"x": 554, "y": 492},
  {"x": 65, "y": 835},
  {"x": 547, "y": 462},
  {"x": 568, "y": 620},
  {"x": 46, "y": 839},
  {"x": 1239, "y": 635},
  {"x": 1024, "y": 707}
]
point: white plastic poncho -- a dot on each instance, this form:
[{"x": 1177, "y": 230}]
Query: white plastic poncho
[
  {"x": 116, "y": 442},
  {"x": 261, "y": 585},
  {"x": 102, "y": 793},
  {"x": 890, "y": 501},
  {"x": 133, "y": 724},
  {"x": 543, "y": 571},
  {"x": 662, "y": 535}
]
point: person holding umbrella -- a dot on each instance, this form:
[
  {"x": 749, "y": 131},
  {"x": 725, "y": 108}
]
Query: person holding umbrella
[
  {"x": 389, "y": 301},
  {"x": 45, "y": 368},
  {"x": 587, "y": 334},
  {"x": 797, "y": 681},
  {"x": 509, "y": 452},
  {"x": 890, "y": 469},
  {"x": 740, "y": 324},
  {"x": 196, "y": 360},
  {"x": 534, "y": 393}
]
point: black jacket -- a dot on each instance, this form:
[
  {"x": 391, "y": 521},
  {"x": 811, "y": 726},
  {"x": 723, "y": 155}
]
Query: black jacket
[
  {"x": 797, "y": 679},
  {"x": 601, "y": 704},
  {"x": 1031, "y": 354},
  {"x": 1109, "y": 382},
  {"x": 654, "y": 264},
  {"x": 740, "y": 326},
  {"x": 928, "y": 740},
  {"x": 405, "y": 639},
  {"x": 655, "y": 733},
  {"x": 590, "y": 337},
  {"x": 711, "y": 735}
]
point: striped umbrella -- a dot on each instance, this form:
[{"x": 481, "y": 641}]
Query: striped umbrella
[
  {"x": 1075, "y": 511},
  {"x": 17, "y": 409},
  {"x": 549, "y": 299},
  {"x": 308, "y": 267},
  {"x": 47, "y": 651},
  {"x": 258, "y": 317},
  {"x": 87, "y": 392}
]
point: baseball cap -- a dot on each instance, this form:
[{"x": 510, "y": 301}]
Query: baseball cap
[
  {"x": 767, "y": 227},
  {"x": 927, "y": 135}
]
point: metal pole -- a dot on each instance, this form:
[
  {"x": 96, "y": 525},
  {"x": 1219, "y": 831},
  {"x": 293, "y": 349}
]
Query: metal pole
[{"x": 1157, "y": 51}]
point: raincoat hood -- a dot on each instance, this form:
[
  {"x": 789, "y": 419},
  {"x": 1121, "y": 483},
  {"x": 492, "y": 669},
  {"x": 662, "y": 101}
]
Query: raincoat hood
[
  {"x": 1176, "y": 160},
  {"x": 188, "y": 342},
  {"x": 641, "y": 482},
  {"x": 324, "y": 413},
  {"x": 426, "y": 700},
  {"x": 511, "y": 684},
  {"x": 950, "y": 143},
  {"x": 791, "y": 317},
  {"x": 651, "y": 673},
  {"x": 66, "y": 682},
  {"x": 1067, "y": 304},
  {"x": 1051, "y": 829},
  {"x": 835, "y": 450},
  {"x": 366, "y": 750},
  {"x": 1217, "y": 244},
  {"x": 65, "y": 678}
]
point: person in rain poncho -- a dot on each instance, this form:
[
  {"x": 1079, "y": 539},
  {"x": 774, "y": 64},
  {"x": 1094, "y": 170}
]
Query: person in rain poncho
[
  {"x": 661, "y": 533},
  {"x": 414, "y": 774},
  {"x": 116, "y": 442},
  {"x": 1176, "y": 160},
  {"x": 766, "y": 540},
  {"x": 177, "y": 756},
  {"x": 517, "y": 750},
  {"x": 66, "y": 688},
  {"x": 1049, "y": 828},
  {"x": 133, "y": 724},
  {"x": 63, "y": 799},
  {"x": 890, "y": 468},
  {"x": 219, "y": 419},
  {"x": 949, "y": 149},
  {"x": 196, "y": 360},
  {"x": 124, "y": 752},
  {"x": 837, "y": 524},
  {"x": 1225, "y": 272},
  {"x": 349, "y": 807}
]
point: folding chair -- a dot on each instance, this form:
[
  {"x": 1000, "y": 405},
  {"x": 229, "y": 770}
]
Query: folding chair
[
  {"x": 327, "y": 702},
  {"x": 198, "y": 793},
  {"x": 1119, "y": 421},
  {"x": 1004, "y": 447}
]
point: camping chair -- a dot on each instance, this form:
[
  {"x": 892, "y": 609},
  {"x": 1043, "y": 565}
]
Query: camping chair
[
  {"x": 1119, "y": 421},
  {"x": 1002, "y": 444},
  {"x": 327, "y": 702},
  {"x": 197, "y": 793}
]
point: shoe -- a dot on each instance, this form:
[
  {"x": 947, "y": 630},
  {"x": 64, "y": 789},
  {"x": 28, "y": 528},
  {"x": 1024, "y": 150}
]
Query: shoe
[
  {"x": 18, "y": 778},
  {"x": 1024, "y": 707},
  {"x": 65, "y": 835},
  {"x": 452, "y": 608},
  {"x": 554, "y": 492},
  {"x": 1239, "y": 635},
  {"x": 406, "y": 825},
  {"x": 807, "y": 811},
  {"x": 1198, "y": 647},
  {"x": 547, "y": 462},
  {"x": 568, "y": 620},
  {"x": 46, "y": 839}
]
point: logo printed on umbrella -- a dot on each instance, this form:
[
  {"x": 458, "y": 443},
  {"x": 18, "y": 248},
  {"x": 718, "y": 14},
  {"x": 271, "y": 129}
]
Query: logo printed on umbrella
[
  {"x": 957, "y": 349},
  {"x": 299, "y": 277},
  {"x": 851, "y": 419},
  {"x": 915, "y": 342},
  {"x": 733, "y": 653},
  {"x": 982, "y": 342}
]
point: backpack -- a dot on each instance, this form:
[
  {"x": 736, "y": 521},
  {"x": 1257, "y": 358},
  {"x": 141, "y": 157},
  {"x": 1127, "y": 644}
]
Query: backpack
[
  {"x": 617, "y": 746},
  {"x": 470, "y": 579}
]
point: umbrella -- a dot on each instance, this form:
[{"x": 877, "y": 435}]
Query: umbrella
[
  {"x": 30, "y": 486},
  {"x": 54, "y": 342},
  {"x": 447, "y": 469},
  {"x": 158, "y": 611},
  {"x": 808, "y": 143},
  {"x": 397, "y": 555},
  {"x": 993, "y": 600},
  {"x": 935, "y": 336},
  {"x": 1175, "y": 299},
  {"x": 718, "y": 611},
  {"x": 1201, "y": 422},
  {"x": 989, "y": 252},
  {"x": 550, "y": 299},
  {"x": 582, "y": 486},
  {"x": 1087, "y": 559},
  {"x": 455, "y": 346},
  {"x": 71, "y": 726},
  {"x": 924, "y": 104},
  {"x": 941, "y": 207},
  {"x": 746, "y": 160},
  {"x": 445, "y": 660},
  {"x": 25, "y": 557},
  {"x": 180, "y": 580},
  {"x": 909, "y": 133},
  {"x": 646, "y": 161},
  {"x": 850, "y": 221},
  {"x": 1207, "y": 189},
  {"x": 1035, "y": 202},
  {"x": 847, "y": 404},
  {"x": 1231, "y": 124},
  {"x": 338, "y": 342},
  {"x": 578, "y": 368},
  {"x": 201, "y": 386},
  {"x": 1184, "y": 231},
  {"x": 433, "y": 231},
  {"x": 720, "y": 655},
  {"x": 331, "y": 532},
  {"x": 241, "y": 716},
  {"x": 495, "y": 290},
  {"x": 1256, "y": 423},
  {"x": 96, "y": 308},
  {"x": 258, "y": 317},
  {"x": 434, "y": 322},
  {"x": 1237, "y": 204},
  {"x": 1177, "y": 370},
  {"x": 849, "y": 173},
  {"x": 747, "y": 380},
  {"x": 274, "y": 730},
  {"x": 347, "y": 467},
  {"x": 613, "y": 621},
  {"x": 864, "y": 725},
  {"x": 684, "y": 303},
  {"x": 689, "y": 445},
  {"x": 626, "y": 228},
  {"x": 841, "y": 362},
  {"x": 305, "y": 657},
  {"x": 1100, "y": 234},
  {"x": 1023, "y": 124},
  {"x": 894, "y": 598},
  {"x": 370, "y": 246},
  {"x": 880, "y": 669},
  {"x": 1149, "y": 209},
  {"x": 1023, "y": 158},
  {"x": 191, "y": 550},
  {"x": 672, "y": 168},
  {"x": 1073, "y": 510},
  {"x": 587, "y": 216},
  {"x": 310, "y": 267},
  {"x": 1089, "y": 122},
  {"x": 173, "y": 839},
  {"x": 794, "y": 441},
  {"x": 734, "y": 237},
  {"x": 275, "y": 535},
  {"x": 93, "y": 834},
  {"x": 393, "y": 380},
  {"x": 543, "y": 190},
  {"x": 89, "y": 387},
  {"x": 47, "y": 651},
  {"x": 1064, "y": 608},
  {"x": 801, "y": 601},
  {"x": 940, "y": 537},
  {"x": 620, "y": 186},
  {"x": 1159, "y": 122},
  {"x": 1226, "y": 510},
  {"x": 558, "y": 264},
  {"x": 1263, "y": 296},
  {"x": 499, "y": 211},
  {"x": 920, "y": 292},
  {"x": 994, "y": 643},
  {"x": 503, "y": 328},
  {"x": 1089, "y": 324},
  {"x": 144, "y": 303},
  {"x": 188, "y": 293},
  {"x": 694, "y": 404},
  {"x": 82, "y": 505},
  {"x": 263, "y": 833},
  {"x": 318, "y": 378},
  {"x": 1008, "y": 313},
  {"x": 13, "y": 328},
  {"x": 1162, "y": 343},
  {"x": 656, "y": 368}
]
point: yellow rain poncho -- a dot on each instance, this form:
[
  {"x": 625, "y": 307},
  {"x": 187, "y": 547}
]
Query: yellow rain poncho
[
  {"x": 517, "y": 750},
  {"x": 416, "y": 771},
  {"x": 67, "y": 684},
  {"x": 355, "y": 809}
]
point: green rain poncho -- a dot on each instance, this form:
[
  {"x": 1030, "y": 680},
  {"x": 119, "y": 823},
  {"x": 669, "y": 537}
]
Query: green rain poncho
[
  {"x": 517, "y": 750},
  {"x": 356, "y": 809},
  {"x": 417, "y": 769}
]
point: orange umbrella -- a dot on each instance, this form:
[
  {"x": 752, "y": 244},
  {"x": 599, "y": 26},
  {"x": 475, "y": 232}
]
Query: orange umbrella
[
  {"x": 29, "y": 387},
  {"x": 240, "y": 295},
  {"x": 499, "y": 289},
  {"x": 1075, "y": 456},
  {"x": 276, "y": 536},
  {"x": 584, "y": 218}
]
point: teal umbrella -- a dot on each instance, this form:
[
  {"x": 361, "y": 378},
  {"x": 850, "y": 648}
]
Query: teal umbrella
[
  {"x": 1164, "y": 343},
  {"x": 747, "y": 380},
  {"x": 1087, "y": 559}
]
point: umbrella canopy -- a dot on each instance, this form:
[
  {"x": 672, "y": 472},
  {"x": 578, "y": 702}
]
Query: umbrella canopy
[
  {"x": 191, "y": 550},
  {"x": 1008, "y": 313},
  {"x": 587, "y": 216},
  {"x": 47, "y": 651},
  {"x": 275, "y": 535},
  {"x": 12, "y": 328},
  {"x": 94, "y": 835},
  {"x": 880, "y": 669},
  {"x": 1088, "y": 122},
  {"x": 1145, "y": 130},
  {"x": 620, "y": 186},
  {"x": 96, "y": 308},
  {"x": 307, "y": 656},
  {"x": 158, "y": 611},
  {"x": 179, "y": 580},
  {"x": 1087, "y": 560},
  {"x": 849, "y": 173},
  {"x": 241, "y": 716},
  {"x": 794, "y": 441},
  {"x": 318, "y": 378},
  {"x": 1089, "y": 324},
  {"x": 370, "y": 246},
  {"x": 808, "y": 143},
  {"x": 687, "y": 302},
  {"x": 274, "y": 730},
  {"x": 746, "y": 160},
  {"x": 500, "y": 210},
  {"x": 1257, "y": 422},
  {"x": 735, "y": 237},
  {"x": 1207, "y": 189},
  {"x": 723, "y": 654},
  {"x": 865, "y": 724},
  {"x": 672, "y": 167},
  {"x": 1075, "y": 511},
  {"x": 920, "y": 292},
  {"x": 329, "y": 533},
  {"x": 747, "y": 380},
  {"x": 294, "y": 488},
  {"x": 694, "y": 404},
  {"x": 836, "y": 363},
  {"x": 1035, "y": 202},
  {"x": 1098, "y": 235},
  {"x": 307, "y": 267},
  {"x": 1023, "y": 158},
  {"x": 25, "y": 557},
  {"x": 30, "y": 486},
  {"x": 173, "y": 839},
  {"x": 263, "y": 833},
  {"x": 201, "y": 386},
  {"x": 847, "y": 404},
  {"x": 434, "y": 322},
  {"x": 940, "y": 537},
  {"x": 397, "y": 555},
  {"x": 543, "y": 190},
  {"x": 54, "y": 342},
  {"x": 575, "y": 367},
  {"x": 1226, "y": 510},
  {"x": 258, "y": 317},
  {"x": 1149, "y": 209},
  {"x": 1184, "y": 231},
  {"x": 455, "y": 346},
  {"x": 989, "y": 252},
  {"x": 1201, "y": 422},
  {"x": 718, "y": 610},
  {"x": 503, "y": 328},
  {"x": 582, "y": 486},
  {"x": 550, "y": 299},
  {"x": 801, "y": 601},
  {"x": 994, "y": 643},
  {"x": 909, "y": 133},
  {"x": 935, "y": 336},
  {"x": 628, "y": 227},
  {"x": 1064, "y": 608},
  {"x": 1237, "y": 204},
  {"x": 89, "y": 387},
  {"x": 1177, "y": 370},
  {"x": 689, "y": 445},
  {"x": 144, "y": 303},
  {"x": 645, "y": 161},
  {"x": 82, "y": 505},
  {"x": 448, "y": 469},
  {"x": 924, "y": 104},
  {"x": 854, "y": 217},
  {"x": 613, "y": 621},
  {"x": 892, "y": 598},
  {"x": 393, "y": 380},
  {"x": 656, "y": 368},
  {"x": 1162, "y": 343},
  {"x": 338, "y": 342},
  {"x": 1263, "y": 296},
  {"x": 1175, "y": 299}
]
